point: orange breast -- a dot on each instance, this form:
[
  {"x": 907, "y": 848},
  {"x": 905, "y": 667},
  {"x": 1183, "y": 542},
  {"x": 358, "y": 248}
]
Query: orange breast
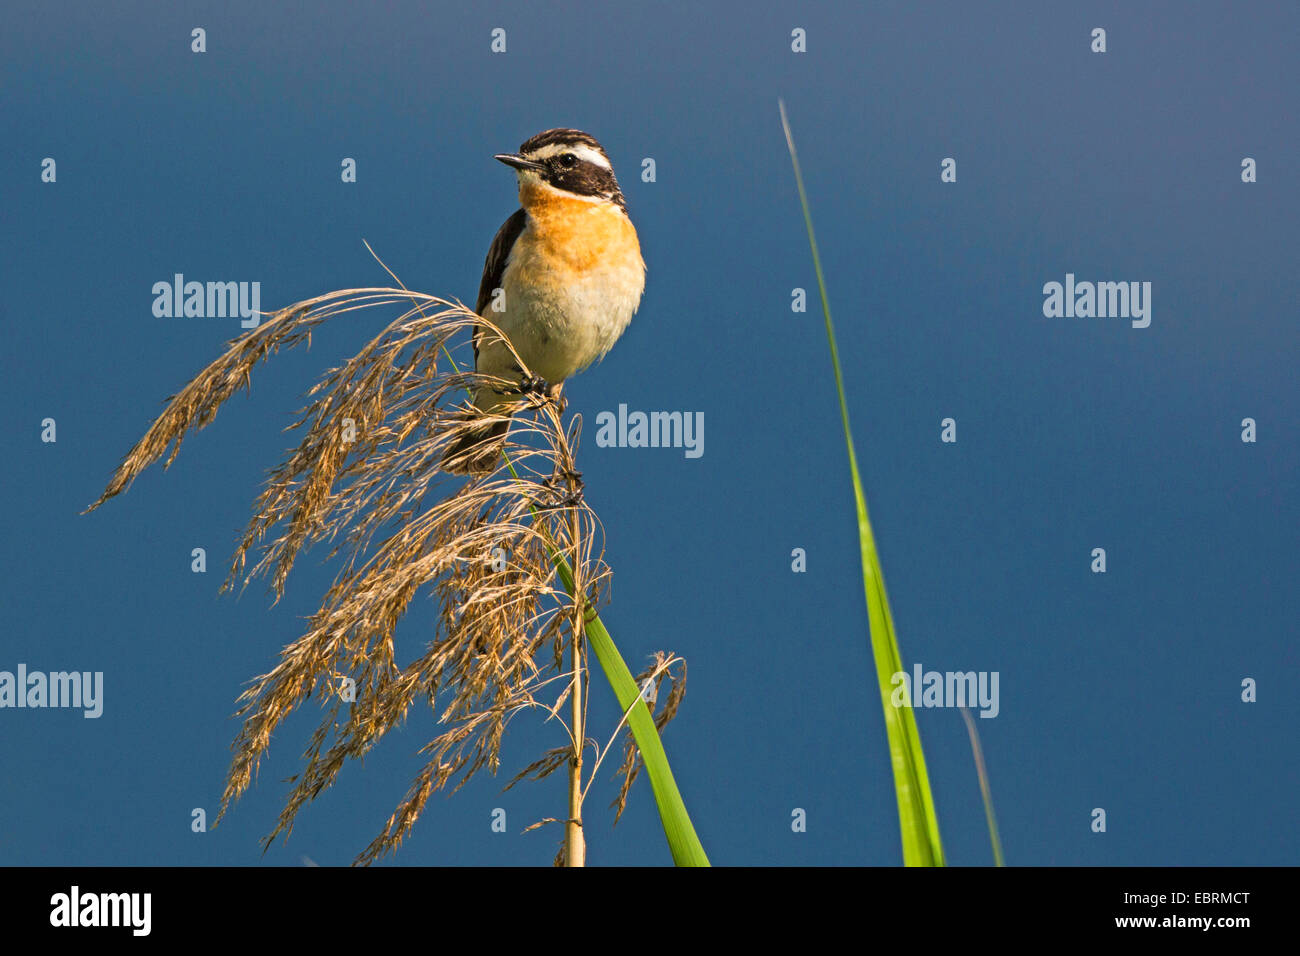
[{"x": 577, "y": 236}]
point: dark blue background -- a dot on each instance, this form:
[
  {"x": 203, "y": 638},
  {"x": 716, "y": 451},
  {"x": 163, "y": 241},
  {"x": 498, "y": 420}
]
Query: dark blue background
[{"x": 1118, "y": 691}]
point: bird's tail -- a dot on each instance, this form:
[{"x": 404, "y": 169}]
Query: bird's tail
[{"x": 478, "y": 449}]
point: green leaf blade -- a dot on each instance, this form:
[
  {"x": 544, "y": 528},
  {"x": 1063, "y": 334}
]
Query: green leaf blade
[
  {"x": 918, "y": 820},
  {"x": 683, "y": 842}
]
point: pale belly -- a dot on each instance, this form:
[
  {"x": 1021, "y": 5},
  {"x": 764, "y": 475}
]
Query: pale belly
[{"x": 561, "y": 327}]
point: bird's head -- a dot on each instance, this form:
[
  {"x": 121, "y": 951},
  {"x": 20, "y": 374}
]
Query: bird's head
[{"x": 567, "y": 161}]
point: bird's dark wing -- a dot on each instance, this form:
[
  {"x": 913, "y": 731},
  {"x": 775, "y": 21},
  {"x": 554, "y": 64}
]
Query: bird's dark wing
[{"x": 495, "y": 266}]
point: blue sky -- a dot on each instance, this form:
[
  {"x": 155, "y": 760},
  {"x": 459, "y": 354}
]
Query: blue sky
[{"x": 1118, "y": 690}]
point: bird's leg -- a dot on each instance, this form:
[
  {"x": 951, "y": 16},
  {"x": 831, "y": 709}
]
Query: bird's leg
[
  {"x": 569, "y": 499},
  {"x": 531, "y": 384},
  {"x": 535, "y": 385},
  {"x": 532, "y": 387},
  {"x": 565, "y": 497}
]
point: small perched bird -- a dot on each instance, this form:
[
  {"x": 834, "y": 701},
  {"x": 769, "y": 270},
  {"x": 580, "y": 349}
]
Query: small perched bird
[{"x": 562, "y": 279}]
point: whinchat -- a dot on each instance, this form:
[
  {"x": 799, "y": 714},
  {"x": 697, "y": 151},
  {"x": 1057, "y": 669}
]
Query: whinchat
[{"x": 562, "y": 279}]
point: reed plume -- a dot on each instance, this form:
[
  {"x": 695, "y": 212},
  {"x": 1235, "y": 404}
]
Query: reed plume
[{"x": 365, "y": 480}]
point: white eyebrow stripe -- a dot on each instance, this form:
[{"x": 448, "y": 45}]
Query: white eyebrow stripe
[{"x": 580, "y": 150}]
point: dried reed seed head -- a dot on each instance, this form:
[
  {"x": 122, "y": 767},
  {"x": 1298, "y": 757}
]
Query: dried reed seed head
[
  {"x": 660, "y": 670},
  {"x": 365, "y": 478}
]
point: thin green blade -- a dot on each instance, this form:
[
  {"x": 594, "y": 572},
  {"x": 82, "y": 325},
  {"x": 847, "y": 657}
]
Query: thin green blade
[
  {"x": 986, "y": 793},
  {"x": 918, "y": 821},
  {"x": 682, "y": 840}
]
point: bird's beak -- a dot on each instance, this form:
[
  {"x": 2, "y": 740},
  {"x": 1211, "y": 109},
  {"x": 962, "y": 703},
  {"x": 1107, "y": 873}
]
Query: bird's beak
[{"x": 517, "y": 161}]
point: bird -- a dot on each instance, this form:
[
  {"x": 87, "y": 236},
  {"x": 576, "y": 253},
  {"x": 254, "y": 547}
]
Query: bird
[{"x": 562, "y": 279}]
